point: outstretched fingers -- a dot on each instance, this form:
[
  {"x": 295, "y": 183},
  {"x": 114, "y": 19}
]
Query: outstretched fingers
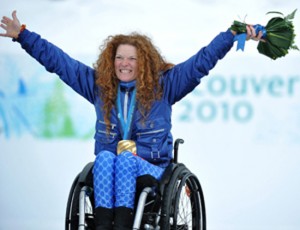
[
  {"x": 4, "y": 20},
  {"x": 10, "y": 25},
  {"x": 14, "y": 15},
  {"x": 3, "y": 25}
]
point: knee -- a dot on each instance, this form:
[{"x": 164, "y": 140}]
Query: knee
[
  {"x": 125, "y": 160},
  {"x": 125, "y": 156},
  {"x": 105, "y": 156}
]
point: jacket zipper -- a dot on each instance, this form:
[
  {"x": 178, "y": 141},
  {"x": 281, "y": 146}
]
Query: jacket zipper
[
  {"x": 151, "y": 132},
  {"x": 112, "y": 125},
  {"x": 125, "y": 106},
  {"x": 111, "y": 133}
]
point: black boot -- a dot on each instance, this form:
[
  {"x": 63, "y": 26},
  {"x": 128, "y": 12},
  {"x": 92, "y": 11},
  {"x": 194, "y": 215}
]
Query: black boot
[
  {"x": 103, "y": 218},
  {"x": 123, "y": 218}
]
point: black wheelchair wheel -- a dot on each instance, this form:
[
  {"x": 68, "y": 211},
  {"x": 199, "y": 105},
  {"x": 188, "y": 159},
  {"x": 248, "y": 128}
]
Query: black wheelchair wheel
[
  {"x": 183, "y": 202},
  {"x": 72, "y": 220},
  {"x": 72, "y": 211}
]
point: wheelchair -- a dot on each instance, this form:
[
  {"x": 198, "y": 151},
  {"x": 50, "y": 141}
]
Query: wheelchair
[{"x": 175, "y": 202}]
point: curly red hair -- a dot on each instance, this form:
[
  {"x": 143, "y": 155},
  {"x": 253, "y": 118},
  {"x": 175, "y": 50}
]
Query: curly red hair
[{"x": 150, "y": 65}]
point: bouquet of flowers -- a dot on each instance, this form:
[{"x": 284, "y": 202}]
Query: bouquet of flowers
[{"x": 278, "y": 35}]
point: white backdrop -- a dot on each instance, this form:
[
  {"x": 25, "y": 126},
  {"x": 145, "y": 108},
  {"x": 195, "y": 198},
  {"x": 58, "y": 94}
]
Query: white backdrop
[{"x": 241, "y": 126}]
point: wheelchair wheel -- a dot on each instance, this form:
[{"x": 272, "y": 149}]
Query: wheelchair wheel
[
  {"x": 73, "y": 207},
  {"x": 71, "y": 220},
  {"x": 183, "y": 202}
]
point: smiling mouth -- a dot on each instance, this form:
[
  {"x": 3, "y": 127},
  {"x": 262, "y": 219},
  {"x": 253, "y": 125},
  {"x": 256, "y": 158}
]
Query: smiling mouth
[{"x": 125, "y": 71}]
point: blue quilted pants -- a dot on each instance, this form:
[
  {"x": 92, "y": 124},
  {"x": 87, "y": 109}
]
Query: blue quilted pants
[{"x": 115, "y": 178}]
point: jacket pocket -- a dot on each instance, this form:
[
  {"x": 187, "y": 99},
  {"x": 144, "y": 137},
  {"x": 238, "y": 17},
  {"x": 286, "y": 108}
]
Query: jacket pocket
[
  {"x": 150, "y": 138},
  {"x": 104, "y": 140},
  {"x": 101, "y": 134}
]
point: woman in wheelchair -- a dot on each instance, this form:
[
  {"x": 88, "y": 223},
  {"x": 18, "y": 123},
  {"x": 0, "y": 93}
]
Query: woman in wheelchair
[{"x": 132, "y": 88}]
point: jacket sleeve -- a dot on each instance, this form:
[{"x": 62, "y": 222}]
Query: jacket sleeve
[
  {"x": 184, "y": 77},
  {"x": 77, "y": 75}
]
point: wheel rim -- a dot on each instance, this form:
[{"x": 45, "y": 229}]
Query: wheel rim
[{"x": 187, "y": 213}]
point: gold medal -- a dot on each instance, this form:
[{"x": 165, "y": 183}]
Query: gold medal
[{"x": 126, "y": 145}]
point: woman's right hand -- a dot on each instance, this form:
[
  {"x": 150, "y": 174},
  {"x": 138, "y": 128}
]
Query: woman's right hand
[{"x": 11, "y": 26}]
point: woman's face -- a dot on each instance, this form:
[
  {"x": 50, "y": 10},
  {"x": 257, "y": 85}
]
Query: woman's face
[{"x": 126, "y": 63}]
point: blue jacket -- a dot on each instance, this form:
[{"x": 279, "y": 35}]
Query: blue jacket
[{"x": 153, "y": 138}]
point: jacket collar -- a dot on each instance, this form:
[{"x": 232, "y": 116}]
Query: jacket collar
[{"x": 128, "y": 85}]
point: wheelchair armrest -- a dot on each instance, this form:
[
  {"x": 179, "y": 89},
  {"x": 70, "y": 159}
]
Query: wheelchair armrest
[{"x": 86, "y": 175}]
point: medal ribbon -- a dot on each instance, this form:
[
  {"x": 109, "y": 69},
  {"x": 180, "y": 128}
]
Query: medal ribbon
[{"x": 126, "y": 126}]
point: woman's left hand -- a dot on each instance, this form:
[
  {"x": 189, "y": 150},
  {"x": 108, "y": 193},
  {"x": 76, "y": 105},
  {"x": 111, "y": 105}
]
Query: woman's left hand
[{"x": 251, "y": 34}]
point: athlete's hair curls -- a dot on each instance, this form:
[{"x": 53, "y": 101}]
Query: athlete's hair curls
[{"x": 150, "y": 65}]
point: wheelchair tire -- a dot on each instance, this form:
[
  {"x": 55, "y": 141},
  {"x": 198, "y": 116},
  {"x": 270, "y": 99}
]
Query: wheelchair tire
[
  {"x": 183, "y": 204},
  {"x": 72, "y": 211}
]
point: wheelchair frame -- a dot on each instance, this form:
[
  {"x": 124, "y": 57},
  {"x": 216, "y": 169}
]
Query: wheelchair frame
[{"x": 159, "y": 207}]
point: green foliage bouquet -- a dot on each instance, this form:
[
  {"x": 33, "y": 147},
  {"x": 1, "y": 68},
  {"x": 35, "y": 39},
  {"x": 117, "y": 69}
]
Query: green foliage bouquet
[{"x": 278, "y": 35}]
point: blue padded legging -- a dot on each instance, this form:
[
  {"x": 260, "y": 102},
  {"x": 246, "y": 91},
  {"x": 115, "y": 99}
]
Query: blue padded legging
[{"x": 115, "y": 178}]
